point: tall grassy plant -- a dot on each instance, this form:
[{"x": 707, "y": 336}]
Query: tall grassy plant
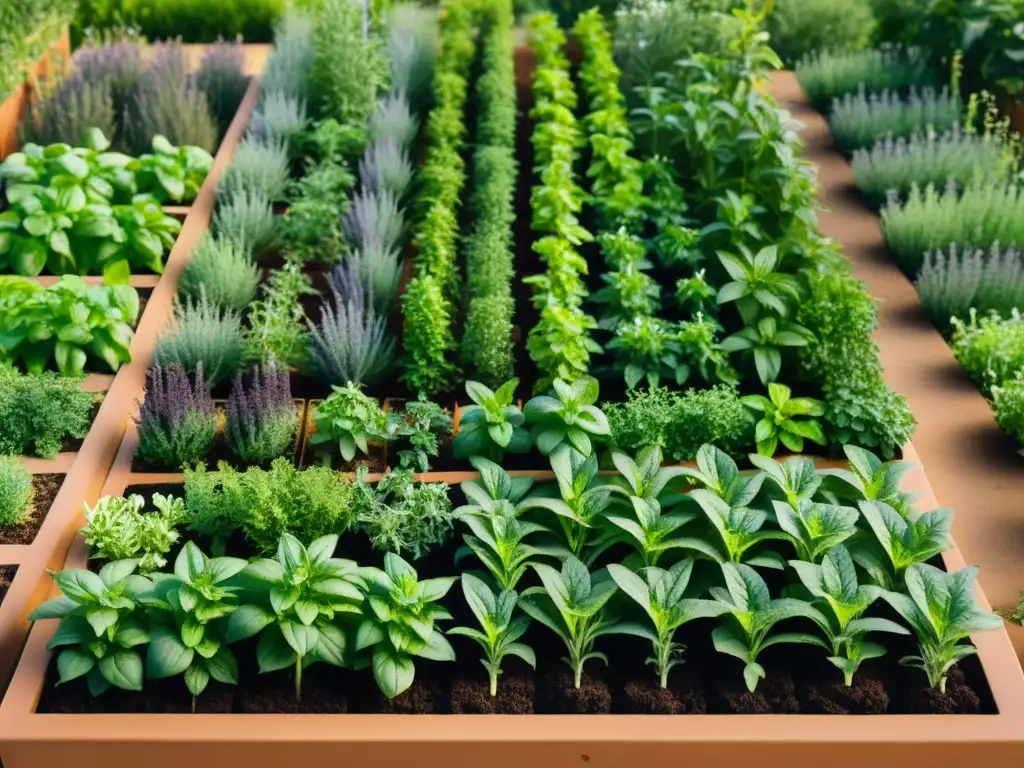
[
  {"x": 202, "y": 336},
  {"x": 258, "y": 166},
  {"x": 279, "y": 119},
  {"x": 290, "y": 65},
  {"x": 222, "y": 78},
  {"x": 246, "y": 218},
  {"x": 981, "y": 216},
  {"x": 826, "y": 75},
  {"x": 858, "y": 120},
  {"x": 412, "y": 51},
  {"x": 223, "y": 271},
  {"x": 952, "y": 282}
]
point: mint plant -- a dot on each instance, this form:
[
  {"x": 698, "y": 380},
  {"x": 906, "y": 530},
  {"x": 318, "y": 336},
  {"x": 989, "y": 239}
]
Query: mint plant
[
  {"x": 101, "y": 625},
  {"x": 399, "y": 623},
  {"x": 903, "y": 541},
  {"x": 941, "y": 609},
  {"x": 569, "y": 417},
  {"x": 871, "y": 479},
  {"x": 796, "y": 477},
  {"x": 779, "y": 421},
  {"x": 571, "y": 604},
  {"x": 814, "y": 528},
  {"x": 500, "y": 631},
  {"x": 349, "y": 419},
  {"x": 739, "y": 529},
  {"x": 295, "y": 603},
  {"x": 834, "y": 583},
  {"x": 718, "y": 473},
  {"x": 661, "y": 594},
  {"x": 189, "y": 608},
  {"x": 752, "y": 613},
  {"x": 493, "y": 425}
]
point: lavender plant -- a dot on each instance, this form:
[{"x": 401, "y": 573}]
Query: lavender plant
[
  {"x": 385, "y": 168},
  {"x": 412, "y": 51},
  {"x": 859, "y": 120},
  {"x": 352, "y": 343},
  {"x": 261, "y": 418},
  {"x": 827, "y": 75},
  {"x": 373, "y": 219},
  {"x": 258, "y": 166},
  {"x": 280, "y": 118},
  {"x": 379, "y": 272},
  {"x": 393, "y": 118},
  {"x": 202, "y": 337},
  {"x": 222, "y": 78},
  {"x": 68, "y": 111},
  {"x": 247, "y": 219},
  {"x": 291, "y": 60},
  {"x": 951, "y": 282},
  {"x": 177, "y": 419},
  {"x": 222, "y": 270}
]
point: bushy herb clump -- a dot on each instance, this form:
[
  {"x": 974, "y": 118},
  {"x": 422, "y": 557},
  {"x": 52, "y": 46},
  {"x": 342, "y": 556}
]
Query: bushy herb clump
[
  {"x": 402, "y": 516},
  {"x": 261, "y": 415},
  {"x": 222, "y": 271},
  {"x": 989, "y": 347},
  {"x": 258, "y": 167},
  {"x": 202, "y": 335},
  {"x": 277, "y": 322},
  {"x": 681, "y": 422},
  {"x": 222, "y": 78},
  {"x": 117, "y": 529},
  {"x": 38, "y": 412},
  {"x": 979, "y": 215},
  {"x": 826, "y": 74},
  {"x": 280, "y": 119},
  {"x": 247, "y": 219},
  {"x": 177, "y": 419},
  {"x": 859, "y": 120},
  {"x": 1009, "y": 404},
  {"x": 15, "y": 491},
  {"x": 952, "y": 282},
  {"x": 799, "y": 28}
]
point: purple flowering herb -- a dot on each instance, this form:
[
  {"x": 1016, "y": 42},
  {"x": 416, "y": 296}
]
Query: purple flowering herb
[
  {"x": 177, "y": 420},
  {"x": 261, "y": 417}
]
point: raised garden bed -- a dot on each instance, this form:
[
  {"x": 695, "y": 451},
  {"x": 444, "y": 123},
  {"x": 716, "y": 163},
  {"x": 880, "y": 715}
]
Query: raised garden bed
[{"x": 12, "y": 109}]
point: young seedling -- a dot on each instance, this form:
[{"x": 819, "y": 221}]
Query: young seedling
[
  {"x": 101, "y": 625},
  {"x": 499, "y": 539},
  {"x": 718, "y": 473},
  {"x": 500, "y": 630},
  {"x": 796, "y": 478},
  {"x": 941, "y": 609},
  {"x": 571, "y": 604},
  {"x": 752, "y": 614},
  {"x": 871, "y": 479},
  {"x": 493, "y": 425},
  {"x": 740, "y": 529},
  {"x": 904, "y": 541},
  {"x": 835, "y": 584},
  {"x": 188, "y": 636},
  {"x": 815, "y": 528},
  {"x": 295, "y": 602},
  {"x": 495, "y": 485},
  {"x": 569, "y": 417},
  {"x": 661, "y": 594},
  {"x": 351, "y": 420},
  {"x": 584, "y": 497},
  {"x": 781, "y": 411},
  {"x": 398, "y": 623}
]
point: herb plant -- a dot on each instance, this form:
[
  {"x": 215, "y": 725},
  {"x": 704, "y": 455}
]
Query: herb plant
[
  {"x": 351, "y": 419},
  {"x": 261, "y": 415},
  {"x": 15, "y": 491},
  {"x": 201, "y": 335},
  {"x": 492, "y": 425},
  {"x": 568, "y": 418},
  {"x": 500, "y": 630},
  {"x": 779, "y": 421},
  {"x": 421, "y": 424},
  {"x": 177, "y": 419},
  {"x": 903, "y": 541},
  {"x": 223, "y": 272},
  {"x": 117, "y": 529},
  {"x": 38, "y": 412},
  {"x": 399, "y": 515}
]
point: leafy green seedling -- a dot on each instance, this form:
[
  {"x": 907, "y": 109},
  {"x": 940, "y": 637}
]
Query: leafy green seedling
[
  {"x": 751, "y": 615},
  {"x": 779, "y": 420},
  {"x": 493, "y": 425},
  {"x": 904, "y": 541},
  {"x": 569, "y": 417},
  {"x": 188, "y": 636},
  {"x": 871, "y": 479},
  {"x": 101, "y": 625},
  {"x": 815, "y": 528},
  {"x": 571, "y": 604},
  {"x": 295, "y": 602},
  {"x": 495, "y": 485},
  {"x": 661, "y": 594},
  {"x": 351, "y": 420},
  {"x": 739, "y": 528},
  {"x": 501, "y": 631},
  {"x": 718, "y": 473},
  {"x": 835, "y": 584},
  {"x": 399, "y": 623},
  {"x": 797, "y": 477},
  {"x": 942, "y": 611}
]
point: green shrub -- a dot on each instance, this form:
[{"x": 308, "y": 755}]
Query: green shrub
[
  {"x": 828, "y": 75},
  {"x": 15, "y": 491},
  {"x": 1009, "y": 404},
  {"x": 247, "y": 219},
  {"x": 290, "y": 64},
  {"x": 277, "y": 321},
  {"x": 981, "y": 216},
  {"x": 223, "y": 271},
  {"x": 195, "y": 21},
  {"x": 802, "y": 27},
  {"x": 280, "y": 119},
  {"x": 895, "y": 165},
  {"x": 265, "y": 504},
  {"x": 681, "y": 422},
  {"x": 348, "y": 70},
  {"x": 989, "y": 347},
  {"x": 258, "y": 167},
  {"x": 859, "y": 120},
  {"x": 38, "y": 412},
  {"x": 222, "y": 78},
  {"x": 950, "y": 284},
  {"x": 860, "y": 408},
  {"x": 427, "y": 337},
  {"x": 201, "y": 334},
  {"x": 26, "y": 28},
  {"x": 399, "y": 515}
]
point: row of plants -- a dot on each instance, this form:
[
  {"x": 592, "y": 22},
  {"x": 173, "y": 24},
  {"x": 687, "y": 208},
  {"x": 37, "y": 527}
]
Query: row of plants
[
  {"x": 586, "y": 556},
  {"x": 26, "y": 29}
]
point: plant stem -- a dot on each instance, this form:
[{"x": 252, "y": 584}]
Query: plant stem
[
  {"x": 577, "y": 675},
  {"x": 494, "y": 681},
  {"x": 298, "y": 677},
  {"x": 193, "y": 705}
]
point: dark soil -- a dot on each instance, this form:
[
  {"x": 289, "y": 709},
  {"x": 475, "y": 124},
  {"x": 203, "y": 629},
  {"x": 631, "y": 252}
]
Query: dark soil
[
  {"x": 643, "y": 696},
  {"x": 556, "y": 694},
  {"x": 472, "y": 695},
  {"x": 6, "y": 577},
  {"x": 45, "y": 488},
  {"x": 867, "y": 696}
]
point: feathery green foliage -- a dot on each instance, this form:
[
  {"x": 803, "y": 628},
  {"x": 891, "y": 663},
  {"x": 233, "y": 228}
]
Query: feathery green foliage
[
  {"x": 15, "y": 491},
  {"x": 223, "y": 271},
  {"x": 201, "y": 334},
  {"x": 826, "y": 75},
  {"x": 246, "y": 218},
  {"x": 951, "y": 283}
]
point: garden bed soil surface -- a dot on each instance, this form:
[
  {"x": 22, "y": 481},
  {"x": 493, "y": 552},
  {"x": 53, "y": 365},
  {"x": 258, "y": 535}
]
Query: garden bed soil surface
[
  {"x": 45, "y": 488},
  {"x": 973, "y": 466},
  {"x": 6, "y": 577}
]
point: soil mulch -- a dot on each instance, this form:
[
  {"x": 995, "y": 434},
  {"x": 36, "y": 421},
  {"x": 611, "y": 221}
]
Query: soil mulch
[
  {"x": 45, "y": 488},
  {"x": 6, "y": 577}
]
